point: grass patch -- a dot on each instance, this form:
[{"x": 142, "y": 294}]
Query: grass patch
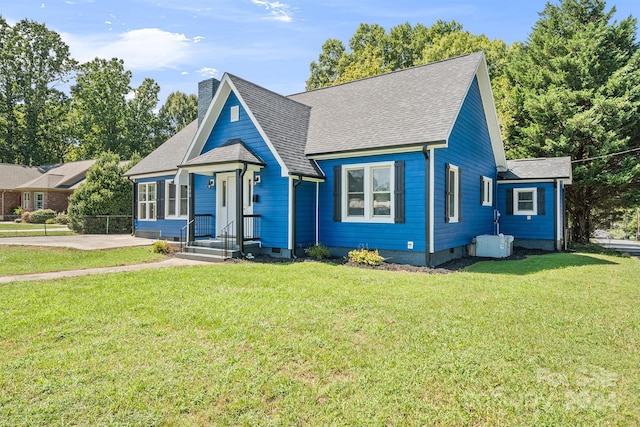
[
  {"x": 314, "y": 343},
  {"x": 27, "y": 226},
  {"x": 35, "y": 259}
]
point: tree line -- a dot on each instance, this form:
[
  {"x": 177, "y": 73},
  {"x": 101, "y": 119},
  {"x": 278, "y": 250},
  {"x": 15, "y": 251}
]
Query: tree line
[
  {"x": 41, "y": 124},
  {"x": 571, "y": 89}
]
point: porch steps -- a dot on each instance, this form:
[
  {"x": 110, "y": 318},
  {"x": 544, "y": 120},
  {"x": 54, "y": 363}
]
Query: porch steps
[{"x": 213, "y": 251}]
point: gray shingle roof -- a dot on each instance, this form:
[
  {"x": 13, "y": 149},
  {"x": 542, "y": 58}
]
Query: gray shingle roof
[
  {"x": 231, "y": 151},
  {"x": 12, "y": 176},
  {"x": 285, "y": 122},
  {"x": 168, "y": 155},
  {"x": 541, "y": 168},
  {"x": 64, "y": 176},
  {"x": 407, "y": 107}
]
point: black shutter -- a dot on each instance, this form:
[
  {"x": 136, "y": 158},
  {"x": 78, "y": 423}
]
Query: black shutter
[
  {"x": 160, "y": 199},
  {"x": 337, "y": 193},
  {"x": 447, "y": 208},
  {"x": 399, "y": 192},
  {"x": 541, "y": 204},
  {"x": 459, "y": 195},
  {"x": 510, "y": 201}
]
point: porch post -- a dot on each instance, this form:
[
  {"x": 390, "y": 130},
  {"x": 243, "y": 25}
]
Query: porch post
[
  {"x": 239, "y": 210},
  {"x": 191, "y": 228}
]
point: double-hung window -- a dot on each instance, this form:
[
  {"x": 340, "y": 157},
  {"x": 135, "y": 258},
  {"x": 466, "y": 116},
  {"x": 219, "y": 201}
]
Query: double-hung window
[
  {"x": 26, "y": 201},
  {"x": 176, "y": 200},
  {"x": 452, "y": 201},
  {"x": 368, "y": 192},
  {"x": 147, "y": 201},
  {"x": 525, "y": 201},
  {"x": 38, "y": 201}
]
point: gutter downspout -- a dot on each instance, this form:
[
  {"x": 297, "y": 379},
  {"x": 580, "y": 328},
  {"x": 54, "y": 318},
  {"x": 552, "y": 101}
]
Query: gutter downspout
[
  {"x": 427, "y": 224},
  {"x": 2, "y": 212},
  {"x": 133, "y": 206},
  {"x": 293, "y": 215},
  {"x": 240, "y": 207}
]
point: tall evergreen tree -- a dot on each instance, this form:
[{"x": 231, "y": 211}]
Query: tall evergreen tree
[{"x": 573, "y": 89}]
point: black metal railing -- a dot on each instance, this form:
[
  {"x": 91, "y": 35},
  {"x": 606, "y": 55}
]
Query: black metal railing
[
  {"x": 203, "y": 225},
  {"x": 227, "y": 235},
  {"x": 251, "y": 226}
]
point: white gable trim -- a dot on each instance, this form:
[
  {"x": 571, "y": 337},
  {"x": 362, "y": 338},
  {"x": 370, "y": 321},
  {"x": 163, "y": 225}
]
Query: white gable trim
[
  {"x": 211, "y": 117},
  {"x": 486, "y": 94}
]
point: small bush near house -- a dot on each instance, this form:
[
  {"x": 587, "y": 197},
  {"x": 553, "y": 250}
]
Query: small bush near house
[
  {"x": 24, "y": 216},
  {"x": 62, "y": 218},
  {"x": 17, "y": 210},
  {"x": 161, "y": 247},
  {"x": 41, "y": 216},
  {"x": 50, "y": 221},
  {"x": 365, "y": 257},
  {"x": 17, "y": 220},
  {"x": 318, "y": 251}
]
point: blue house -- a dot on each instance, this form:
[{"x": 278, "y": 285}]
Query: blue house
[{"x": 410, "y": 163}]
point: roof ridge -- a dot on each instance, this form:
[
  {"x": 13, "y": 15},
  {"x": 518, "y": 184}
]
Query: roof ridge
[
  {"x": 233, "y": 76},
  {"x": 387, "y": 73}
]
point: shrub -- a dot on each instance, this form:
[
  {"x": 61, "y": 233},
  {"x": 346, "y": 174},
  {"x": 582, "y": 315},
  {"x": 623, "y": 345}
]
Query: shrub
[
  {"x": 365, "y": 257},
  {"x": 17, "y": 210},
  {"x": 24, "y": 216},
  {"x": 161, "y": 247},
  {"x": 61, "y": 218},
  {"x": 318, "y": 251},
  {"x": 50, "y": 221},
  {"x": 41, "y": 215},
  {"x": 17, "y": 220}
]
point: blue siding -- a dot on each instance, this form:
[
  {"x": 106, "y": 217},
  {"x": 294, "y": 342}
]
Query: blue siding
[
  {"x": 469, "y": 149},
  {"x": 168, "y": 228},
  {"x": 273, "y": 194},
  {"x": 205, "y": 199},
  {"x": 540, "y": 227},
  {"x": 305, "y": 214},
  {"x": 382, "y": 236}
]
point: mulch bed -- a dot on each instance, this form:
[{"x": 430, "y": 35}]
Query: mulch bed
[{"x": 446, "y": 268}]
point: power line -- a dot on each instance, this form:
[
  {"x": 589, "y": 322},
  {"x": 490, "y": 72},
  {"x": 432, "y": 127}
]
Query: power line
[{"x": 606, "y": 155}]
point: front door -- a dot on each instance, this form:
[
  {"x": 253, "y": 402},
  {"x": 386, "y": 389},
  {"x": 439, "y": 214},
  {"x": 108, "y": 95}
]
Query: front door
[{"x": 226, "y": 203}]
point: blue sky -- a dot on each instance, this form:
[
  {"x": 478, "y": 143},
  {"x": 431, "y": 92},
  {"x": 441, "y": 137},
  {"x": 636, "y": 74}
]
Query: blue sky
[{"x": 271, "y": 43}]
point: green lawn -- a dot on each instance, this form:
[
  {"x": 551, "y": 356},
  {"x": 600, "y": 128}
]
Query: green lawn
[
  {"x": 27, "y": 226},
  {"x": 552, "y": 340},
  {"x": 35, "y": 259}
]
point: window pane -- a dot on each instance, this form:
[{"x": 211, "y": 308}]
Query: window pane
[
  {"x": 142, "y": 211},
  {"x": 452, "y": 181},
  {"x": 184, "y": 200},
  {"x": 382, "y": 179},
  {"x": 171, "y": 200},
  {"x": 355, "y": 206},
  {"x": 151, "y": 190},
  {"x": 355, "y": 178},
  {"x": 382, "y": 204},
  {"x": 142, "y": 192},
  {"x": 152, "y": 210},
  {"x": 525, "y": 201}
]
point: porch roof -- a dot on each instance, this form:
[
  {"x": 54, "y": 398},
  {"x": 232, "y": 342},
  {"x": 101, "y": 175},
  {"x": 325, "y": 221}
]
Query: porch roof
[
  {"x": 540, "y": 168},
  {"x": 232, "y": 151}
]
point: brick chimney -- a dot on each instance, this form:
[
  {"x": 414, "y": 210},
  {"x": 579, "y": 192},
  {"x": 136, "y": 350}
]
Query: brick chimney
[{"x": 206, "y": 90}]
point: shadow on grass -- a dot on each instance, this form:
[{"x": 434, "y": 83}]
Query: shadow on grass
[{"x": 537, "y": 263}]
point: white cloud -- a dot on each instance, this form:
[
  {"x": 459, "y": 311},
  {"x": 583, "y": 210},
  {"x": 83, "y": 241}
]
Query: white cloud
[
  {"x": 184, "y": 73},
  {"x": 142, "y": 49},
  {"x": 42, "y": 5},
  {"x": 277, "y": 11},
  {"x": 198, "y": 39},
  {"x": 208, "y": 72},
  {"x": 108, "y": 22}
]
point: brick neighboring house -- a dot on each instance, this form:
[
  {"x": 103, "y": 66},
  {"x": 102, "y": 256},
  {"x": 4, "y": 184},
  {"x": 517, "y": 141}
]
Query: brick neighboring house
[
  {"x": 11, "y": 177},
  {"x": 44, "y": 187}
]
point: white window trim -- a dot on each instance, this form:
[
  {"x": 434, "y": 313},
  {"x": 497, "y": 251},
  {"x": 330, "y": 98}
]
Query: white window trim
[
  {"x": 176, "y": 202},
  {"x": 487, "y": 191},
  {"x": 368, "y": 193},
  {"x": 456, "y": 194},
  {"x": 35, "y": 200},
  {"x": 26, "y": 201},
  {"x": 235, "y": 113},
  {"x": 516, "y": 192},
  {"x": 147, "y": 203}
]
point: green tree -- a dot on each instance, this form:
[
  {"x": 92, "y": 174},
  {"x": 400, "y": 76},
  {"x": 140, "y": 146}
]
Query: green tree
[
  {"x": 574, "y": 90},
  {"x": 33, "y": 61},
  {"x": 178, "y": 111},
  {"x": 374, "y": 51},
  {"x": 144, "y": 131},
  {"x": 104, "y": 192}
]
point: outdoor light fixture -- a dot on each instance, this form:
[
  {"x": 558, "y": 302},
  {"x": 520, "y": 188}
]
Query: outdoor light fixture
[{"x": 212, "y": 182}]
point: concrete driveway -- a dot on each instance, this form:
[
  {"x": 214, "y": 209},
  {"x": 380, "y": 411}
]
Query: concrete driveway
[
  {"x": 82, "y": 241},
  {"x": 631, "y": 247}
]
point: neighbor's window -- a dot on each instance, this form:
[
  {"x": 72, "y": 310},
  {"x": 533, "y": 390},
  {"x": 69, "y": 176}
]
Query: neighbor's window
[
  {"x": 524, "y": 201},
  {"x": 26, "y": 201},
  {"x": 368, "y": 192},
  {"x": 147, "y": 201},
  {"x": 38, "y": 201},
  {"x": 486, "y": 191},
  {"x": 176, "y": 200},
  {"x": 453, "y": 194}
]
